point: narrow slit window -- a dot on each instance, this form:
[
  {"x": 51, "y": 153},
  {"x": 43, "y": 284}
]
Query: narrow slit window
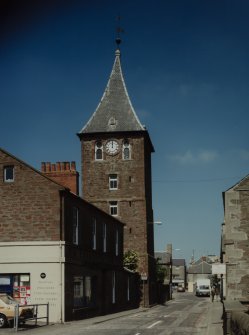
[
  {"x": 104, "y": 237},
  {"x": 75, "y": 226},
  {"x": 126, "y": 149},
  {"x": 117, "y": 244},
  {"x": 94, "y": 237},
  {"x": 128, "y": 289},
  {"x": 113, "y": 287}
]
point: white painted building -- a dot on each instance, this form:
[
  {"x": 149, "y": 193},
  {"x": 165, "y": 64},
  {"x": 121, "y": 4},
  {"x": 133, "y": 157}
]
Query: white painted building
[{"x": 35, "y": 270}]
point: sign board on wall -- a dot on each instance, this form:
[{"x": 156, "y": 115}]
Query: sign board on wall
[
  {"x": 144, "y": 276},
  {"x": 24, "y": 278},
  {"x": 218, "y": 269}
]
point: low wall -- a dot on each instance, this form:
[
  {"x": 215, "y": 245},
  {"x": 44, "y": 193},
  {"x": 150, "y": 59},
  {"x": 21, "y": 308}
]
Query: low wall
[
  {"x": 239, "y": 323},
  {"x": 234, "y": 318},
  {"x": 163, "y": 293}
]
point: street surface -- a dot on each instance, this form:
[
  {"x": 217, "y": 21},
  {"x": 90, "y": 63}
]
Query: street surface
[{"x": 185, "y": 314}]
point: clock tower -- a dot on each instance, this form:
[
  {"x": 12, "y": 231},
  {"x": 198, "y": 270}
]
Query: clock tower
[{"x": 116, "y": 171}]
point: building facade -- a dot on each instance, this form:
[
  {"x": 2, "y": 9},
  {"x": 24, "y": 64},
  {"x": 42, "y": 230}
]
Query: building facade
[
  {"x": 116, "y": 171},
  {"x": 199, "y": 269},
  {"x": 178, "y": 272},
  {"x": 164, "y": 258},
  {"x": 57, "y": 248},
  {"x": 235, "y": 240}
]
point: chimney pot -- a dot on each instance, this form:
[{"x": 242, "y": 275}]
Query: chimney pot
[
  {"x": 48, "y": 166},
  {"x": 43, "y": 167},
  {"x": 58, "y": 166},
  {"x": 73, "y": 166},
  {"x": 169, "y": 248}
]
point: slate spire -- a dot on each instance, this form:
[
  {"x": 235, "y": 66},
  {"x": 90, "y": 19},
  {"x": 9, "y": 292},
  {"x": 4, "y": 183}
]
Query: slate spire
[{"x": 115, "y": 112}]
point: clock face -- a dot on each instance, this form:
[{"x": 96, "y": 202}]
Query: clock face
[{"x": 112, "y": 147}]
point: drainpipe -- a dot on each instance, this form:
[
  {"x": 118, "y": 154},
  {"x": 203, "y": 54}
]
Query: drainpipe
[
  {"x": 62, "y": 237},
  {"x": 61, "y": 281}
]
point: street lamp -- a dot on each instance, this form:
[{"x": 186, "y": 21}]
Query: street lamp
[
  {"x": 147, "y": 255},
  {"x": 159, "y": 223}
]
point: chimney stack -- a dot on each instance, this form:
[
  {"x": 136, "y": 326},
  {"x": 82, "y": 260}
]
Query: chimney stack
[
  {"x": 169, "y": 248},
  {"x": 63, "y": 173}
]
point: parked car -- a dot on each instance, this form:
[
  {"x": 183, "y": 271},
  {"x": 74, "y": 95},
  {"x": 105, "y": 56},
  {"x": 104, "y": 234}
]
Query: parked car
[
  {"x": 180, "y": 288},
  {"x": 7, "y": 310}
]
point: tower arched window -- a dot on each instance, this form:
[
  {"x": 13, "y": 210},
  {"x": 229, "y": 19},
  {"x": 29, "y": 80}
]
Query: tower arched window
[
  {"x": 126, "y": 149},
  {"x": 98, "y": 150}
]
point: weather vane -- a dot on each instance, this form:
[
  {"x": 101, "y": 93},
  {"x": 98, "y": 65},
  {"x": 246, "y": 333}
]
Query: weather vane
[{"x": 119, "y": 30}]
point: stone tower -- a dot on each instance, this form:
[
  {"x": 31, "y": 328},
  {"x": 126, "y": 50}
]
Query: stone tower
[{"x": 116, "y": 171}]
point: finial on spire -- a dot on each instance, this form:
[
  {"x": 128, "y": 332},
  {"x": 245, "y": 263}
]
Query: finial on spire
[{"x": 118, "y": 31}]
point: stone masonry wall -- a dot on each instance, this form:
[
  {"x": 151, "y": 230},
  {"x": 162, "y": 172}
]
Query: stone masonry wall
[
  {"x": 236, "y": 242},
  {"x": 133, "y": 194},
  {"x": 131, "y": 188}
]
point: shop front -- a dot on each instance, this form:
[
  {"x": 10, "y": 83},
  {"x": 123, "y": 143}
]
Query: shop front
[{"x": 16, "y": 285}]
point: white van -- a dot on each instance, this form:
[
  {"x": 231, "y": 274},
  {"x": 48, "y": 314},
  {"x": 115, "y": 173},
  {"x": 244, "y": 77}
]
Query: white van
[{"x": 202, "y": 287}]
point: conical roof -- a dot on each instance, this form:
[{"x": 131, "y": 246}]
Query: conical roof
[{"x": 115, "y": 112}]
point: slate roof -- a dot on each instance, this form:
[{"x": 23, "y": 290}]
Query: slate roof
[
  {"x": 202, "y": 267},
  {"x": 243, "y": 184},
  {"x": 115, "y": 112},
  {"x": 178, "y": 262}
]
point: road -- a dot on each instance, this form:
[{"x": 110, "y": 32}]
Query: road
[{"x": 185, "y": 314}]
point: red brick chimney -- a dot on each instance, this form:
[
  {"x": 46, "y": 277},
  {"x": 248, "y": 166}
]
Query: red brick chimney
[{"x": 63, "y": 173}]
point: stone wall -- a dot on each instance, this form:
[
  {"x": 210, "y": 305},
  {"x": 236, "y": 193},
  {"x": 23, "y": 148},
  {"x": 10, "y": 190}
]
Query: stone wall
[
  {"x": 239, "y": 323},
  {"x": 133, "y": 195},
  {"x": 236, "y": 240},
  {"x": 131, "y": 190}
]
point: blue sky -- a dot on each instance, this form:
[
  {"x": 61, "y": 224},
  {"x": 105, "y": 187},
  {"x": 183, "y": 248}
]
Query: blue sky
[{"x": 186, "y": 69}]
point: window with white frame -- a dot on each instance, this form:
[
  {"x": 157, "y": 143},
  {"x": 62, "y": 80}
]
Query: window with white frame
[
  {"x": 88, "y": 289},
  {"x": 78, "y": 288},
  {"x": 83, "y": 291},
  {"x": 104, "y": 237},
  {"x": 113, "y": 181},
  {"x": 75, "y": 225},
  {"x": 113, "y": 208},
  {"x": 117, "y": 243},
  {"x": 8, "y": 173},
  {"x": 126, "y": 149},
  {"x": 113, "y": 287},
  {"x": 98, "y": 150},
  {"x": 94, "y": 237}
]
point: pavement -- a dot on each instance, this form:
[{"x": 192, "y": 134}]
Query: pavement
[
  {"x": 214, "y": 318},
  {"x": 213, "y": 323}
]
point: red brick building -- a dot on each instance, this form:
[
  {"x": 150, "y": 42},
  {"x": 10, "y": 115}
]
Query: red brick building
[
  {"x": 55, "y": 247},
  {"x": 116, "y": 171}
]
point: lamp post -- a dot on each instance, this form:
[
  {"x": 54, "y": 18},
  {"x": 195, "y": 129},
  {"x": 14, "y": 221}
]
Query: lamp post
[
  {"x": 146, "y": 276},
  {"x": 172, "y": 275},
  {"x": 159, "y": 223}
]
